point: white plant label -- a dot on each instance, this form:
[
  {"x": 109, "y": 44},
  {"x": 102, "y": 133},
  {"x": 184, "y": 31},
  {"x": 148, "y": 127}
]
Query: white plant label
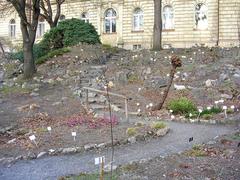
[
  {"x": 232, "y": 107},
  {"x": 208, "y": 108},
  {"x": 224, "y": 107},
  {"x": 49, "y": 128},
  {"x": 200, "y": 110},
  {"x": 99, "y": 160},
  {"x": 32, "y": 137},
  {"x": 172, "y": 116},
  {"x": 74, "y": 134}
]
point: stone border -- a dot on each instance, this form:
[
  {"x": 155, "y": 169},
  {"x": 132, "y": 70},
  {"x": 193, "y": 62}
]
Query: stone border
[
  {"x": 86, "y": 147},
  {"x": 203, "y": 121}
]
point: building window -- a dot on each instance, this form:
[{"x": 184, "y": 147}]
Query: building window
[
  {"x": 168, "y": 17},
  {"x": 41, "y": 28},
  {"x": 137, "y": 46},
  {"x": 201, "y": 21},
  {"x": 110, "y": 21},
  {"x": 12, "y": 28},
  {"x": 62, "y": 17},
  {"x": 85, "y": 17},
  {"x": 138, "y": 20}
]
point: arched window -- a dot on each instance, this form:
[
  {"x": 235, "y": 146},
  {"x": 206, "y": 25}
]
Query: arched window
[
  {"x": 138, "y": 19},
  {"x": 85, "y": 17},
  {"x": 62, "y": 17},
  {"x": 201, "y": 21},
  {"x": 12, "y": 28},
  {"x": 41, "y": 27},
  {"x": 110, "y": 21},
  {"x": 168, "y": 17}
]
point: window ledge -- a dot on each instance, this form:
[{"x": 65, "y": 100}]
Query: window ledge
[
  {"x": 196, "y": 29},
  {"x": 114, "y": 33},
  {"x": 137, "y": 31},
  {"x": 168, "y": 30}
]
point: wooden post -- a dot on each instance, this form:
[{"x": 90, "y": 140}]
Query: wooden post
[
  {"x": 126, "y": 109},
  {"x": 102, "y": 169},
  {"x": 87, "y": 97}
]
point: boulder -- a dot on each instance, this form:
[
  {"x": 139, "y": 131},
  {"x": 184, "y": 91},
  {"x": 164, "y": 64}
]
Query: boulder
[
  {"x": 162, "y": 132},
  {"x": 69, "y": 150}
]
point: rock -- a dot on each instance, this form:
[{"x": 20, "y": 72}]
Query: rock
[
  {"x": 31, "y": 155},
  {"x": 179, "y": 87},
  {"x": 223, "y": 77},
  {"x": 89, "y": 147},
  {"x": 115, "y": 108},
  {"x": 140, "y": 137},
  {"x": 132, "y": 140},
  {"x": 155, "y": 82},
  {"x": 69, "y": 150},
  {"x": 91, "y": 95},
  {"x": 34, "y": 94},
  {"x": 210, "y": 83},
  {"x": 41, "y": 154},
  {"x": 107, "y": 168},
  {"x": 236, "y": 79},
  {"x": 147, "y": 71},
  {"x": 121, "y": 77},
  {"x": 102, "y": 145},
  {"x": 162, "y": 132},
  {"x": 56, "y": 103},
  {"x": 11, "y": 141},
  {"x": 226, "y": 96}
]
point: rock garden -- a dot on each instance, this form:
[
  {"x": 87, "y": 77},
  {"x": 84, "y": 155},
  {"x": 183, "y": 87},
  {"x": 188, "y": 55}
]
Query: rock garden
[{"x": 55, "y": 114}]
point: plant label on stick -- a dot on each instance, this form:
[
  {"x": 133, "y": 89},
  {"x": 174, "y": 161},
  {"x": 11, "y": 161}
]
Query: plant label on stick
[
  {"x": 225, "y": 111},
  {"x": 99, "y": 160},
  {"x": 33, "y": 139},
  {"x": 74, "y": 134},
  {"x": 200, "y": 111},
  {"x": 49, "y": 129}
]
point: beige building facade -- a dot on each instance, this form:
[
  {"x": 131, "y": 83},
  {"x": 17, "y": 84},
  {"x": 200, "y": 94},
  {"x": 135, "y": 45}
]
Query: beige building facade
[{"x": 129, "y": 23}]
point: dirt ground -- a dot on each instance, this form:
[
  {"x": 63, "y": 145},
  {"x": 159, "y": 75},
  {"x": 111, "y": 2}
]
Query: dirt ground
[{"x": 219, "y": 160}]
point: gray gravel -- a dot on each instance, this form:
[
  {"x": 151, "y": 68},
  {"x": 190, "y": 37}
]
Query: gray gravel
[{"x": 175, "y": 141}]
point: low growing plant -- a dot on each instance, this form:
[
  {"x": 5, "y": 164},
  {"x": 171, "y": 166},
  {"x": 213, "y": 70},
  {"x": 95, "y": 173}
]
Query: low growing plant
[
  {"x": 158, "y": 125},
  {"x": 182, "y": 106},
  {"x": 131, "y": 131}
]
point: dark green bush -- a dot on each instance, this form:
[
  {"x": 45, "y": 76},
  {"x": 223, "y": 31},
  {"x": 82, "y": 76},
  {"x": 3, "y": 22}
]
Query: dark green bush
[
  {"x": 70, "y": 32},
  {"x": 38, "y": 51},
  {"x": 182, "y": 106}
]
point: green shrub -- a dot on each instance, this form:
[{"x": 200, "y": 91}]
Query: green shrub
[
  {"x": 131, "y": 131},
  {"x": 51, "y": 54},
  {"x": 38, "y": 52},
  {"x": 158, "y": 125},
  {"x": 182, "y": 106},
  {"x": 213, "y": 110},
  {"x": 69, "y": 33}
]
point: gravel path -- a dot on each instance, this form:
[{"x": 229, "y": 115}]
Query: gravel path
[{"x": 49, "y": 168}]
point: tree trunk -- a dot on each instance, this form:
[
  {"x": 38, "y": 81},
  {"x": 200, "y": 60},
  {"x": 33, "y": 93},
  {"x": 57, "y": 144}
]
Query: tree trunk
[
  {"x": 29, "y": 65},
  {"x": 157, "y": 29}
]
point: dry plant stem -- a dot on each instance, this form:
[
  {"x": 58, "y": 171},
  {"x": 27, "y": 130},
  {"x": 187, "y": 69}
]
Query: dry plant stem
[
  {"x": 159, "y": 105},
  {"x": 110, "y": 115},
  {"x": 176, "y": 62}
]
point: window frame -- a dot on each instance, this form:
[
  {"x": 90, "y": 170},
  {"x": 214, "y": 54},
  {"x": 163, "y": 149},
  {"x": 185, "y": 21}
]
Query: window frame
[
  {"x": 86, "y": 18},
  {"x": 138, "y": 15},
  {"x": 112, "y": 20},
  {"x": 196, "y": 26},
  {"x": 40, "y": 28},
  {"x": 169, "y": 14},
  {"x": 12, "y": 28}
]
